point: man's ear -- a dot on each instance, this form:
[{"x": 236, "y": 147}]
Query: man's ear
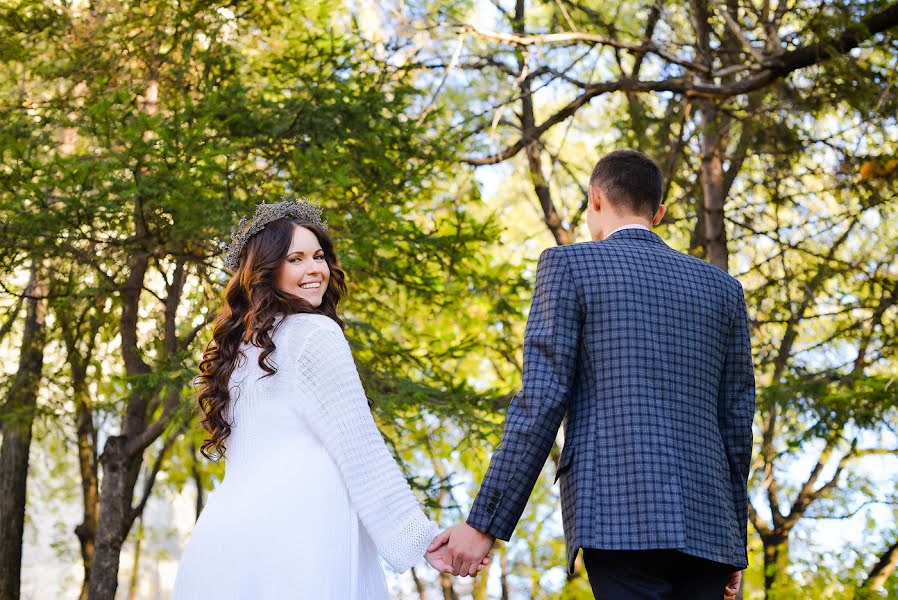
[
  {"x": 595, "y": 198},
  {"x": 659, "y": 214}
]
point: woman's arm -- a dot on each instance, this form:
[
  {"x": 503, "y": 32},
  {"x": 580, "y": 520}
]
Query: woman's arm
[{"x": 335, "y": 406}]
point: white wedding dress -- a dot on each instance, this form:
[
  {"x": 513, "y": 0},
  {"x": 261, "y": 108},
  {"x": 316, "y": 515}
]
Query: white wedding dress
[{"x": 312, "y": 498}]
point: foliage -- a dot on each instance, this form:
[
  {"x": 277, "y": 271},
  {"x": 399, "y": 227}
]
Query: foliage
[{"x": 144, "y": 129}]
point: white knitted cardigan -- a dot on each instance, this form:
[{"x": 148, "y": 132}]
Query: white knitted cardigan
[{"x": 336, "y": 408}]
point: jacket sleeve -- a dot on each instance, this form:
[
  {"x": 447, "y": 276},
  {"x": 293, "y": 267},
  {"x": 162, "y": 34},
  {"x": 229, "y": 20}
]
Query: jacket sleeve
[
  {"x": 736, "y": 409},
  {"x": 336, "y": 408},
  {"x": 551, "y": 343}
]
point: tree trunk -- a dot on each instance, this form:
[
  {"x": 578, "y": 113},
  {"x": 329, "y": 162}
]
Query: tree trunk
[
  {"x": 880, "y": 573},
  {"x": 134, "y": 580},
  {"x": 711, "y": 171},
  {"x": 80, "y": 343},
  {"x": 121, "y": 467},
  {"x": 445, "y": 580},
  {"x": 197, "y": 480},
  {"x": 446, "y": 585},
  {"x": 770, "y": 560},
  {"x": 419, "y": 585},
  {"x": 715, "y": 237},
  {"x": 478, "y": 588},
  {"x": 87, "y": 462},
  {"x": 533, "y": 149},
  {"x": 16, "y": 430},
  {"x": 776, "y": 558},
  {"x": 503, "y": 575},
  {"x": 119, "y": 477},
  {"x": 540, "y": 185}
]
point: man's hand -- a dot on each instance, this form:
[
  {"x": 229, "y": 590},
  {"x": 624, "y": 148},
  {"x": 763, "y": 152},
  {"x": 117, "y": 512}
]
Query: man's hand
[
  {"x": 467, "y": 550},
  {"x": 733, "y": 584}
]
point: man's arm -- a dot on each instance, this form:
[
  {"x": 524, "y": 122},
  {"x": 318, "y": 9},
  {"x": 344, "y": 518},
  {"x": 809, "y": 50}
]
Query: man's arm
[
  {"x": 551, "y": 344},
  {"x": 736, "y": 409}
]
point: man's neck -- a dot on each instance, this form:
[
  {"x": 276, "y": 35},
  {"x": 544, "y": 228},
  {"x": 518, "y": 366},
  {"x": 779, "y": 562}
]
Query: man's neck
[{"x": 629, "y": 222}]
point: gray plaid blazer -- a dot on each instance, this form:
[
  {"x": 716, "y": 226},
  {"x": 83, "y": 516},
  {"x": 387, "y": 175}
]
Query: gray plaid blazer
[{"x": 644, "y": 352}]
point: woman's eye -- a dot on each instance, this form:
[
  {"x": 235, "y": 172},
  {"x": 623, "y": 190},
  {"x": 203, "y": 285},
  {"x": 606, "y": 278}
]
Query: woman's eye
[
  {"x": 319, "y": 257},
  {"x": 294, "y": 260}
]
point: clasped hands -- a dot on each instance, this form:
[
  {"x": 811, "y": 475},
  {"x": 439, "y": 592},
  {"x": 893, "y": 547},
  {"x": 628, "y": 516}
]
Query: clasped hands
[
  {"x": 463, "y": 550},
  {"x": 460, "y": 550}
]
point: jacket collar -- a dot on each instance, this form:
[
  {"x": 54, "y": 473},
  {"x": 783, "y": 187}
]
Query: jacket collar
[{"x": 635, "y": 234}]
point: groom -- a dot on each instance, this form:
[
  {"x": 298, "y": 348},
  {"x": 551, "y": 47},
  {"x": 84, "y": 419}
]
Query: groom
[{"x": 645, "y": 351}]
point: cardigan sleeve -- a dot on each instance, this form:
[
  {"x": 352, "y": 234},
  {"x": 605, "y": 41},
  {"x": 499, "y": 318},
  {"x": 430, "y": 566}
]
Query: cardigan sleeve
[{"x": 336, "y": 408}]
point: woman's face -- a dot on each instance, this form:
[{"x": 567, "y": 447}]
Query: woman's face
[{"x": 304, "y": 272}]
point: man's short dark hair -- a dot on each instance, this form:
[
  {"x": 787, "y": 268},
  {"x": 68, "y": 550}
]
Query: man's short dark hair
[{"x": 629, "y": 180}]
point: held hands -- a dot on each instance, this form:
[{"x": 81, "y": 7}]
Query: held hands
[
  {"x": 462, "y": 549},
  {"x": 438, "y": 557},
  {"x": 439, "y": 560}
]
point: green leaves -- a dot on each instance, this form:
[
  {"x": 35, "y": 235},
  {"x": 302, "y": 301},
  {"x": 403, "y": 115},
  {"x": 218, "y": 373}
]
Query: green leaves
[{"x": 142, "y": 132}]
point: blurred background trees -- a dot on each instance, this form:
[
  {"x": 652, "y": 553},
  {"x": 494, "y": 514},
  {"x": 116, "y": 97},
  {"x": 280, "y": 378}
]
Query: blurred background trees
[{"x": 448, "y": 143}]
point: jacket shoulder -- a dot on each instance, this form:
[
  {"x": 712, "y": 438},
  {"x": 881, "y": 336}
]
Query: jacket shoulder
[
  {"x": 594, "y": 252},
  {"x": 568, "y": 252},
  {"x": 720, "y": 279}
]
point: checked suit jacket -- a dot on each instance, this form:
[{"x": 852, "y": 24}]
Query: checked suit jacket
[{"x": 644, "y": 353}]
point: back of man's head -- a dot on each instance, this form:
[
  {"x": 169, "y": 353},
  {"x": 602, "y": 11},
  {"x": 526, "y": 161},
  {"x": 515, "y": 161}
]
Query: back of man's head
[{"x": 630, "y": 181}]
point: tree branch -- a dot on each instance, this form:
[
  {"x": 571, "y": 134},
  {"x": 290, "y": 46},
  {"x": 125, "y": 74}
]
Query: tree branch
[
  {"x": 577, "y": 36},
  {"x": 737, "y": 31},
  {"x": 806, "y": 493},
  {"x": 760, "y": 525},
  {"x": 775, "y": 68},
  {"x": 882, "y": 570},
  {"x": 185, "y": 341},
  {"x": 651, "y": 23},
  {"x": 137, "y": 444},
  {"x": 7, "y": 326},
  {"x": 803, "y": 501},
  {"x": 150, "y": 478}
]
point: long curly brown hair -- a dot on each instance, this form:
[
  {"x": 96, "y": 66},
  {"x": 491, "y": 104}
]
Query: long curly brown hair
[{"x": 250, "y": 304}]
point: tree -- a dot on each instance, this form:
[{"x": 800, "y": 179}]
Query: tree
[
  {"x": 15, "y": 428},
  {"x": 733, "y": 99},
  {"x": 18, "y": 144},
  {"x": 175, "y": 118}
]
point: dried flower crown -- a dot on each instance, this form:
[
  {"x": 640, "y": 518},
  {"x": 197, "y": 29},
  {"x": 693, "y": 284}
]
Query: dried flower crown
[{"x": 265, "y": 214}]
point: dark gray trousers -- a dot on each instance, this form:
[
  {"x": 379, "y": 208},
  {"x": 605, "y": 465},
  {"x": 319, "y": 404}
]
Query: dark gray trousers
[{"x": 654, "y": 575}]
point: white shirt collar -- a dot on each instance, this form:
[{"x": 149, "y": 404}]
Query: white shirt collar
[{"x": 628, "y": 226}]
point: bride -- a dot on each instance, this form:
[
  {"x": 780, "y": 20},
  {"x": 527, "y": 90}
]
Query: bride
[{"x": 312, "y": 498}]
